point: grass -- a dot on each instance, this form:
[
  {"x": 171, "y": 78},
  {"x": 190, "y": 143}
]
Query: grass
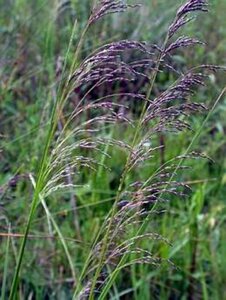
[{"x": 34, "y": 36}]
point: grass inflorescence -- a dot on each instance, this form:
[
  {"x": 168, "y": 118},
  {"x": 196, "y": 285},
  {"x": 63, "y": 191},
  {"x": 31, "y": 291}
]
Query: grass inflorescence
[{"x": 107, "y": 110}]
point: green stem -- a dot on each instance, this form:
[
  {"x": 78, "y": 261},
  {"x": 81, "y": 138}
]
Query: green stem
[
  {"x": 33, "y": 207},
  {"x": 143, "y": 226},
  {"x": 40, "y": 182},
  {"x": 124, "y": 174}
]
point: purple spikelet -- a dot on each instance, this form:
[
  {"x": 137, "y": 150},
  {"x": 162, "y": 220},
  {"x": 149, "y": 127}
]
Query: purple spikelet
[
  {"x": 105, "y": 7},
  {"x": 192, "y": 6},
  {"x": 182, "y": 13},
  {"x": 182, "y": 41},
  {"x": 163, "y": 111}
]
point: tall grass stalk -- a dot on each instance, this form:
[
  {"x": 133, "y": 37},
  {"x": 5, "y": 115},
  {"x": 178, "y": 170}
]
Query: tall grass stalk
[
  {"x": 142, "y": 228},
  {"x": 123, "y": 177},
  {"x": 56, "y": 227},
  {"x": 117, "y": 245},
  {"x": 126, "y": 169},
  {"x": 43, "y": 164}
]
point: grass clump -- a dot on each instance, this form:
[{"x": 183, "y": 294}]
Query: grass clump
[{"x": 92, "y": 124}]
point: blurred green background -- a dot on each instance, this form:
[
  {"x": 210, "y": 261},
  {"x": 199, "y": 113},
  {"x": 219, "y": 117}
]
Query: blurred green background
[{"x": 34, "y": 36}]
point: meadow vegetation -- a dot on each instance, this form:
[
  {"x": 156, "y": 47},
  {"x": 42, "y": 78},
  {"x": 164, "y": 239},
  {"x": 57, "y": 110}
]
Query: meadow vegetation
[{"x": 112, "y": 154}]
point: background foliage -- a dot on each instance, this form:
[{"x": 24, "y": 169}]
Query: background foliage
[{"x": 33, "y": 39}]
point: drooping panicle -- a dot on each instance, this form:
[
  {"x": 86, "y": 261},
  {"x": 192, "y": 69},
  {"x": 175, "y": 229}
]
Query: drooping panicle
[
  {"x": 179, "y": 92},
  {"x": 163, "y": 111},
  {"x": 107, "y": 64},
  {"x": 181, "y": 17},
  {"x": 182, "y": 41},
  {"x": 105, "y": 7},
  {"x": 191, "y": 6},
  {"x": 173, "y": 28}
]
